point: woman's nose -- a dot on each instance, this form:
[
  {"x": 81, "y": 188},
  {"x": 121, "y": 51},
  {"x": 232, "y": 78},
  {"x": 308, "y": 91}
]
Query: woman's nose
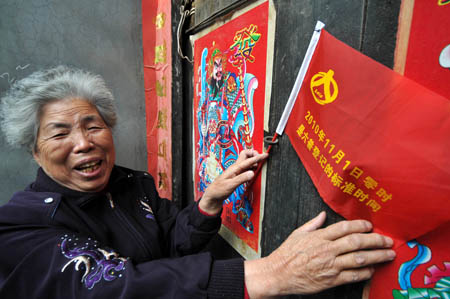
[{"x": 82, "y": 143}]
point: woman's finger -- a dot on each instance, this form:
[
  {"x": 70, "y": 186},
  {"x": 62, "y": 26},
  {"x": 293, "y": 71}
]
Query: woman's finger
[
  {"x": 364, "y": 258},
  {"x": 241, "y": 179},
  {"x": 246, "y": 154},
  {"x": 344, "y": 228},
  {"x": 359, "y": 241},
  {"x": 243, "y": 165},
  {"x": 354, "y": 275},
  {"x": 314, "y": 223},
  {"x": 250, "y": 162}
]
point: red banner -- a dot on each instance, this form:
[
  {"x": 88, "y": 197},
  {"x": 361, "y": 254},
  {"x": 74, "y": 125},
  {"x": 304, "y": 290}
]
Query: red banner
[
  {"x": 374, "y": 142},
  {"x": 427, "y": 57},
  {"x": 157, "y": 45}
]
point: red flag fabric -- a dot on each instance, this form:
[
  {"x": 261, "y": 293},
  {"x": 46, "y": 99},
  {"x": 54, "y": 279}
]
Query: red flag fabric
[
  {"x": 375, "y": 143},
  {"x": 421, "y": 269}
]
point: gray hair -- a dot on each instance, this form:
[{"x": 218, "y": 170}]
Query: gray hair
[{"x": 21, "y": 106}]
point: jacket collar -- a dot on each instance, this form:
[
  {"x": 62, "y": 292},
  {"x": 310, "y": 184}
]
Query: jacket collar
[{"x": 44, "y": 183}]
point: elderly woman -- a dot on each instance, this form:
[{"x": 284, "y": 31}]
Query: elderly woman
[{"x": 87, "y": 228}]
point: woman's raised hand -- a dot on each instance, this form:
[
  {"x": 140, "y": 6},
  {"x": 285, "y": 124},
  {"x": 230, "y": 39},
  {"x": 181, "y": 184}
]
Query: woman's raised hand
[{"x": 223, "y": 186}]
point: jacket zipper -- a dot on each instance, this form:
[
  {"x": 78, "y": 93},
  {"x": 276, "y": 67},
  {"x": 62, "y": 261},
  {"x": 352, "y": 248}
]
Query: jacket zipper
[{"x": 137, "y": 236}]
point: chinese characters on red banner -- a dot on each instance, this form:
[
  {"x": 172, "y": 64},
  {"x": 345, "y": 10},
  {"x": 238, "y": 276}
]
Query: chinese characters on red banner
[
  {"x": 157, "y": 43},
  {"x": 334, "y": 161}
]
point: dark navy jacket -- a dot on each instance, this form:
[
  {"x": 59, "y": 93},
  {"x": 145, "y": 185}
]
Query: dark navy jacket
[{"x": 123, "y": 243}]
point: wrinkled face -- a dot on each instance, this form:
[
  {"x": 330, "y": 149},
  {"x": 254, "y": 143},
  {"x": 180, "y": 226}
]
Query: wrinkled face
[
  {"x": 74, "y": 145},
  {"x": 217, "y": 70}
]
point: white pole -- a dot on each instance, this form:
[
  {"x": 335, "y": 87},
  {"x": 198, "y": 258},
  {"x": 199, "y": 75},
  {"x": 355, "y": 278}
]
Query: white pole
[{"x": 300, "y": 77}]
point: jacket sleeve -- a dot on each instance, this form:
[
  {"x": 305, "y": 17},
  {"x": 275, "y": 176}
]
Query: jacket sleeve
[
  {"x": 54, "y": 263},
  {"x": 185, "y": 232}
]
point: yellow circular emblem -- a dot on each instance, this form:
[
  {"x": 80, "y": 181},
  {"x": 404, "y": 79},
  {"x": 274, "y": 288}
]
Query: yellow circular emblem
[{"x": 324, "y": 88}]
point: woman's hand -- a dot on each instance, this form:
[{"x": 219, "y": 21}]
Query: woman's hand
[
  {"x": 224, "y": 185},
  {"x": 311, "y": 260}
]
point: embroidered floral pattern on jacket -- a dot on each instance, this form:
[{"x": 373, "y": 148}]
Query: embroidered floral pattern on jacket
[
  {"x": 146, "y": 207},
  {"x": 97, "y": 263}
]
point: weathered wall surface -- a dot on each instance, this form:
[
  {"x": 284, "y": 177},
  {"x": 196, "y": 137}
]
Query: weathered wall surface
[{"x": 101, "y": 36}]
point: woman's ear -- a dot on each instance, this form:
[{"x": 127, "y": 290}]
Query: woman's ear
[{"x": 36, "y": 156}]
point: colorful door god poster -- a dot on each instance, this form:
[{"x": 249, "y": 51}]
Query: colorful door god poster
[{"x": 231, "y": 93}]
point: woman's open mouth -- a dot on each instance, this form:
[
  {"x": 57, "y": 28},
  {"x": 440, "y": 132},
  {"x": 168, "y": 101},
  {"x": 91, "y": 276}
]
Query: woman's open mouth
[{"x": 89, "y": 167}]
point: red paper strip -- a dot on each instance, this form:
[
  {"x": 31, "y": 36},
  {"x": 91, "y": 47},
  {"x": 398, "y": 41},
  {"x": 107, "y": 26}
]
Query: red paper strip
[
  {"x": 428, "y": 56},
  {"x": 157, "y": 45}
]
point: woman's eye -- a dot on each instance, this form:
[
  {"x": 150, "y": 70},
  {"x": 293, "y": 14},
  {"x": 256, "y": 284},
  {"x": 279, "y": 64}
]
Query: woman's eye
[
  {"x": 59, "y": 135},
  {"x": 94, "y": 128}
]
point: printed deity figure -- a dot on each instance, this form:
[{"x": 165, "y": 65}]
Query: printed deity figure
[{"x": 225, "y": 123}]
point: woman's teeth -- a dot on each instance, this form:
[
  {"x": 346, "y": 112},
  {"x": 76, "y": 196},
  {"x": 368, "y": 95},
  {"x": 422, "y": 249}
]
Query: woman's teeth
[{"x": 89, "y": 167}]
